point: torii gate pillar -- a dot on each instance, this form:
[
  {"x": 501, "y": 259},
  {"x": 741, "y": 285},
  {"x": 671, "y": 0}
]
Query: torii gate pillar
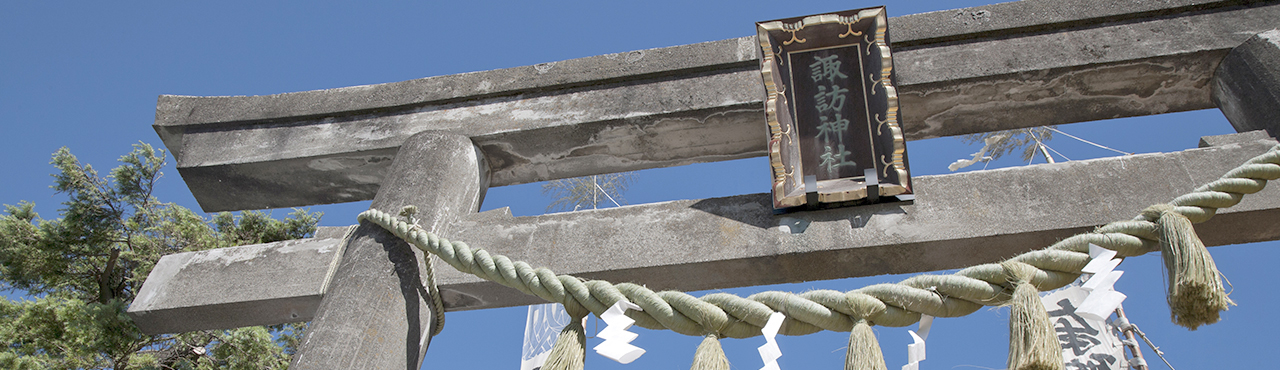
[
  {"x": 1246, "y": 85},
  {"x": 377, "y": 313}
]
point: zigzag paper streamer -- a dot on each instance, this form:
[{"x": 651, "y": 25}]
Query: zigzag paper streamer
[
  {"x": 1102, "y": 299},
  {"x": 770, "y": 352},
  {"x": 915, "y": 350},
  {"x": 617, "y": 340}
]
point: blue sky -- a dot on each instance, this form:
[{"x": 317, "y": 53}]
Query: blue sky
[{"x": 86, "y": 76}]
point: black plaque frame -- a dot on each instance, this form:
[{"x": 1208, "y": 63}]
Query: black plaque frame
[{"x": 831, "y": 108}]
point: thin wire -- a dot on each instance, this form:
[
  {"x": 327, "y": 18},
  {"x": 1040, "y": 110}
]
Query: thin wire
[
  {"x": 615, "y": 203},
  {"x": 1033, "y": 137},
  {"x": 1040, "y": 145},
  {"x": 1087, "y": 141},
  {"x": 1064, "y": 156},
  {"x": 1159, "y": 353}
]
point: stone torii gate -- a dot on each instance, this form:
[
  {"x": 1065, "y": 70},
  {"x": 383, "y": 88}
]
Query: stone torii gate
[{"x": 438, "y": 143}]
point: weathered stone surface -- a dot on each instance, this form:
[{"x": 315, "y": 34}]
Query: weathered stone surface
[
  {"x": 327, "y": 232},
  {"x": 957, "y": 220},
  {"x": 994, "y": 67},
  {"x": 1238, "y": 138},
  {"x": 261, "y": 284},
  {"x": 1246, "y": 85},
  {"x": 377, "y": 313}
]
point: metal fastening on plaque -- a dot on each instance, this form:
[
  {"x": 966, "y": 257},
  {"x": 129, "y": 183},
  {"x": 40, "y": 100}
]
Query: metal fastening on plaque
[{"x": 832, "y": 109}]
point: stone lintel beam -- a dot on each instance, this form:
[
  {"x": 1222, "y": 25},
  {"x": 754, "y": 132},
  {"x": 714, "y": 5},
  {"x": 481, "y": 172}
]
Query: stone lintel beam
[
  {"x": 956, "y": 220},
  {"x": 225, "y": 288},
  {"x": 995, "y": 67},
  {"x": 1246, "y": 85}
]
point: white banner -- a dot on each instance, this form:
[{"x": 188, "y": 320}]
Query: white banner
[
  {"x": 1087, "y": 344},
  {"x": 543, "y": 325}
]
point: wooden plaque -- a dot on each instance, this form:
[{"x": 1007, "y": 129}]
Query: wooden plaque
[{"x": 832, "y": 109}]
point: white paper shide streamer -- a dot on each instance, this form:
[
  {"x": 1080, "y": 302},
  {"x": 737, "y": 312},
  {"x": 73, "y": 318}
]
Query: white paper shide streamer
[
  {"x": 915, "y": 350},
  {"x": 1102, "y": 299},
  {"x": 770, "y": 352},
  {"x": 1079, "y": 315},
  {"x": 617, "y": 340}
]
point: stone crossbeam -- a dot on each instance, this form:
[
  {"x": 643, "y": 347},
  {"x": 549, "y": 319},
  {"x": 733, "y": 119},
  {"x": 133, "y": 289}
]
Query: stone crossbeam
[
  {"x": 957, "y": 220},
  {"x": 1246, "y": 85},
  {"x": 224, "y": 288},
  {"x": 995, "y": 67}
]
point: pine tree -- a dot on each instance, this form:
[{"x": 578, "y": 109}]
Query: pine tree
[
  {"x": 587, "y": 192},
  {"x": 997, "y": 144},
  {"x": 85, "y": 268}
]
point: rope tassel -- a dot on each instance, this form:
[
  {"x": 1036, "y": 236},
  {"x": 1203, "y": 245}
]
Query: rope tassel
[
  {"x": 864, "y": 350},
  {"x": 1033, "y": 344},
  {"x": 1196, "y": 295},
  {"x": 570, "y": 350},
  {"x": 710, "y": 356}
]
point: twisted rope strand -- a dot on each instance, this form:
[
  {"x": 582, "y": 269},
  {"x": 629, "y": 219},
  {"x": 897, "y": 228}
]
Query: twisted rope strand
[{"x": 895, "y": 305}]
